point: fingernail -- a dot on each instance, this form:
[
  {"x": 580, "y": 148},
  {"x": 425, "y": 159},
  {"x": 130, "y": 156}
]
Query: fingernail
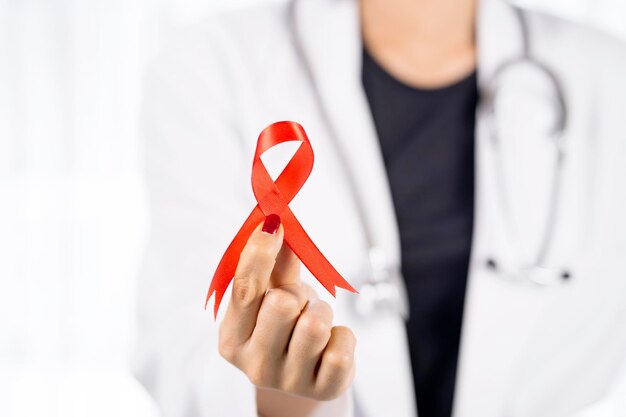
[{"x": 271, "y": 224}]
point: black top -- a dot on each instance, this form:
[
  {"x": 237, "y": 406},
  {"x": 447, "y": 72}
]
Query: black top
[{"x": 427, "y": 142}]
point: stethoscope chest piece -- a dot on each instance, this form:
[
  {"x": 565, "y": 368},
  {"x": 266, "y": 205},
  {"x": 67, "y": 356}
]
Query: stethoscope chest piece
[{"x": 384, "y": 290}]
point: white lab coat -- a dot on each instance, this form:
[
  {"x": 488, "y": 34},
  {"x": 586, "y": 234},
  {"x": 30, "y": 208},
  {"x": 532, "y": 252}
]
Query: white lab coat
[{"x": 526, "y": 351}]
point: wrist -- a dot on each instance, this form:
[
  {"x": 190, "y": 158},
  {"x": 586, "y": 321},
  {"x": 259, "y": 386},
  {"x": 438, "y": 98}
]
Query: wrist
[{"x": 275, "y": 403}]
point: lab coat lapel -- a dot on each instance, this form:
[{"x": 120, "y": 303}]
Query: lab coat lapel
[
  {"x": 329, "y": 35},
  {"x": 499, "y": 315}
]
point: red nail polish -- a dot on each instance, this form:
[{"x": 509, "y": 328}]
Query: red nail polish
[{"x": 271, "y": 224}]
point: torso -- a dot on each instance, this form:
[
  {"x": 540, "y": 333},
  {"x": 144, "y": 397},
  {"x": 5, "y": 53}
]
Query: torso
[{"x": 427, "y": 142}]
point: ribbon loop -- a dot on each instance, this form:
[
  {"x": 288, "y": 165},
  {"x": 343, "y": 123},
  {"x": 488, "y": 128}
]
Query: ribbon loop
[{"x": 273, "y": 198}]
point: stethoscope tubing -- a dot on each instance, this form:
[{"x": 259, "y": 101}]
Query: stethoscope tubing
[
  {"x": 398, "y": 299},
  {"x": 557, "y": 136}
]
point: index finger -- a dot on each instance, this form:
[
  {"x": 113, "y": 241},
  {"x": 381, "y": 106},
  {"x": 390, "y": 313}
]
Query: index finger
[
  {"x": 251, "y": 279},
  {"x": 287, "y": 268}
]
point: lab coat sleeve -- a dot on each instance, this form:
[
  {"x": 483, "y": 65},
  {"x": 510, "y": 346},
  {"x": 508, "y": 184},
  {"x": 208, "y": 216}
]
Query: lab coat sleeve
[{"x": 197, "y": 175}]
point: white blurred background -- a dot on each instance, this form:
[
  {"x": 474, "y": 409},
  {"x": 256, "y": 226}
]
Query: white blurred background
[{"x": 72, "y": 207}]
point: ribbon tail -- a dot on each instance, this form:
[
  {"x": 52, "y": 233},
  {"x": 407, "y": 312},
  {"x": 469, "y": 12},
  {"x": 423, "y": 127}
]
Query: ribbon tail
[
  {"x": 310, "y": 255},
  {"x": 228, "y": 264}
]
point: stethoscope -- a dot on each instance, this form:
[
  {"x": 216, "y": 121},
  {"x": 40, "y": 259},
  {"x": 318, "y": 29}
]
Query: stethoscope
[
  {"x": 383, "y": 290},
  {"x": 534, "y": 271}
]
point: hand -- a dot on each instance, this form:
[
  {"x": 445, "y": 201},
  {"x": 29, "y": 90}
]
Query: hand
[{"x": 277, "y": 331}]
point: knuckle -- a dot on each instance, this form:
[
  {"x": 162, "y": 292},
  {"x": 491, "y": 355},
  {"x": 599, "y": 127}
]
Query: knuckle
[
  {"x": 347, "y": 333},
  {"x": 339, "y": 361},
  {"x": 313, "y": 327},
  {"x": 323, "y": 309},
  {"x": 261, "y": 374},
  {"x": 227, "y": 345},
  {"x": 283, "y": 302},
  {"x": 227, "y": 350},
  {"x": 245, "y": 290},
  {"x": 256, "y": 378}
]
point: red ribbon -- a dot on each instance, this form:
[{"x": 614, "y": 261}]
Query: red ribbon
[{"x": 273, "y": 198}]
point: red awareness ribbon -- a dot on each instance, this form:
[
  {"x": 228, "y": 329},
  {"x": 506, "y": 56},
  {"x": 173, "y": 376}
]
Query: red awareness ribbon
[{"x": 273, "y": 198}]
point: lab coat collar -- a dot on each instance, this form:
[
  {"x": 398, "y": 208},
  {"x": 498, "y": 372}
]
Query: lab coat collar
[
  {"x": 329, "y": 34},
  {"x": 498, "y": 37}
]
